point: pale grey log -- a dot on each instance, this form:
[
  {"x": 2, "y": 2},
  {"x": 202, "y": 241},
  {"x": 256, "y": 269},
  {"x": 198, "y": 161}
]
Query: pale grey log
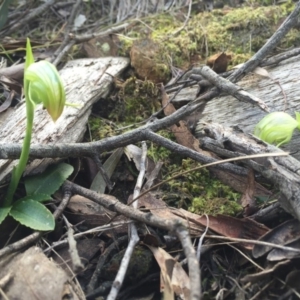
[
  {"x": 283, "y": 171},
  {"x": 228, "y": 111},
  {"x": 86, "y": 81}
]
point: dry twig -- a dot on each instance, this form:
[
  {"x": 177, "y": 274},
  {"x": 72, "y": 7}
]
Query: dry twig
[{"x": 177, "y": 227}]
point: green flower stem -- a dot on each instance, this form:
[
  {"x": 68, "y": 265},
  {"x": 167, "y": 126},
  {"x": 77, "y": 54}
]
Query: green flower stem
[
  {"x": 19, "y": 169},
  {"x": 42, "y": 85}
]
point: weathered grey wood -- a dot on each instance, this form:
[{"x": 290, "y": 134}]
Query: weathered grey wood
[
  {"x": 283, "y": 171},
  {"x": 86, "y": 81},
  {"x": 229, "y": 111}
]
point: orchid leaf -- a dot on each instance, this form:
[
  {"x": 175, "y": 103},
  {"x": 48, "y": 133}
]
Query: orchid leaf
[
  {"x": 37, "y": 197},
  {"x": 32, "y": 214},
  {"x": 50, "y": 181},
  {"x": 4, "y": 211}
]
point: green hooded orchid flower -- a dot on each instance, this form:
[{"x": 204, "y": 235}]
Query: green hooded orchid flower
[
  {"x": 42, "y": 85},
  {"x": 45, "y": 87},
  {"x": 277, "y": 128}
]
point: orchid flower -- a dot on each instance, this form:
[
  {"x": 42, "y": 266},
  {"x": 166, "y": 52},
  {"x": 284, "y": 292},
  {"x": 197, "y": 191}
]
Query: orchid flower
[
  {"x": 277, "y": 128},
  {"x": 42, "y": 85}
]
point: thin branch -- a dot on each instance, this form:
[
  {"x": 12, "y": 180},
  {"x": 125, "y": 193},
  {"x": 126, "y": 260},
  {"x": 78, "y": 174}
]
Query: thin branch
[
  {"x": 9, "y": 151},
  {"x": 186, "y": 19},
  {"x": 134, "y": 238},
  {"x": 64, "y": 49},
  {"x": 176, "y": 226},
  {"x": 102, "y": 260},
  {"x": 73, "y": 251},
  {"x": 229, "y": 88},
  {"x": 94, "y": 230},
  {"x": 13, "y": 151},
  {"x": 257, "y": 58},
  {"x": 67, "y": 43},
  {"x": 32, "y": 15},
  {"x": 87, "y": 37}
]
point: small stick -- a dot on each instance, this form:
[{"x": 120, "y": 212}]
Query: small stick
[{"x": 134, "y": 238}]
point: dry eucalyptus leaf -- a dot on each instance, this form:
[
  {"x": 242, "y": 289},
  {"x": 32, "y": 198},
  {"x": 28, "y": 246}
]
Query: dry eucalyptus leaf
[
  {"x": 262, "y": 72},
  {"x": 280, "y": 235},
  {"x": 172, "y": 274},
  {"x": 280, "y": 254},
  {"x": 279, "y": 268},
  {"x": 219, "y": 62},
  {"x": 98, "y": 185},
  {"x": 134, "y": 153}
]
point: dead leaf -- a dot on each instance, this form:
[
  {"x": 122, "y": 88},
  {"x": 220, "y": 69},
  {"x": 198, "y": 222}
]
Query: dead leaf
[
  {"x": 91, "y": 214},
  {"x": 219, "y": 62},
  {"x": 109, "y": 167},
  {"x": 258, "y": 70},
  {"x": 262, "y": 72},
  {"x": 14, "y": 72},
  {"x": 280, "y": 235},
  {"x": 7, "y": 103},
  {"x": 79, "y": 21},
  {"x": 8, "y": 44},
  {"x": 181, "y": 131},
  {"x": 229, "y": 226},
  {"x": 247, "y": 200},
  {"x": 280, "y": 268},
  {"x": 280, "y": 254},
  {"x": 292, "y": 280},
  {"x": 134, "y": 153},
  {"x": 152, "y": 202},
  {"x": 174, "y": 278},
  {"x": 11, "y": 84}
]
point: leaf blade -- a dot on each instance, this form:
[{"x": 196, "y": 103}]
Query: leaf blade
[
  {"x": 32, "y": 214},
  {"x": 4, "y": 211},
  {"x": 98, "y": 185},
  {"x": 50, "y": 181}
]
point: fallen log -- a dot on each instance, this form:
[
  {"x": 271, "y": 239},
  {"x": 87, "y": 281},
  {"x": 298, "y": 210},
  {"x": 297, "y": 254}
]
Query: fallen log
[{"x": 85, "y": 81}]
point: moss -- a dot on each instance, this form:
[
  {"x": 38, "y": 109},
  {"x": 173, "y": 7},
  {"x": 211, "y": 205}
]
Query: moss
[
  {"x": 198, "y": 191},
  {"x": 100, "y": 129},
  {"x": 159, "y": 153},
  {"x": 240, "y": 32},
  {"x": 138, "y": 101},
  {"x": 215, "y": 205},
  {"x": 135, "y": 101},
  {"x": 141, "y": 263}
]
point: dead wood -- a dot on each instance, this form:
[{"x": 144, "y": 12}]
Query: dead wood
[
  {"x": 282, "y": 171},
  {"x": 86, "y": 81},
  {"x": 280, "y": 92}
]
